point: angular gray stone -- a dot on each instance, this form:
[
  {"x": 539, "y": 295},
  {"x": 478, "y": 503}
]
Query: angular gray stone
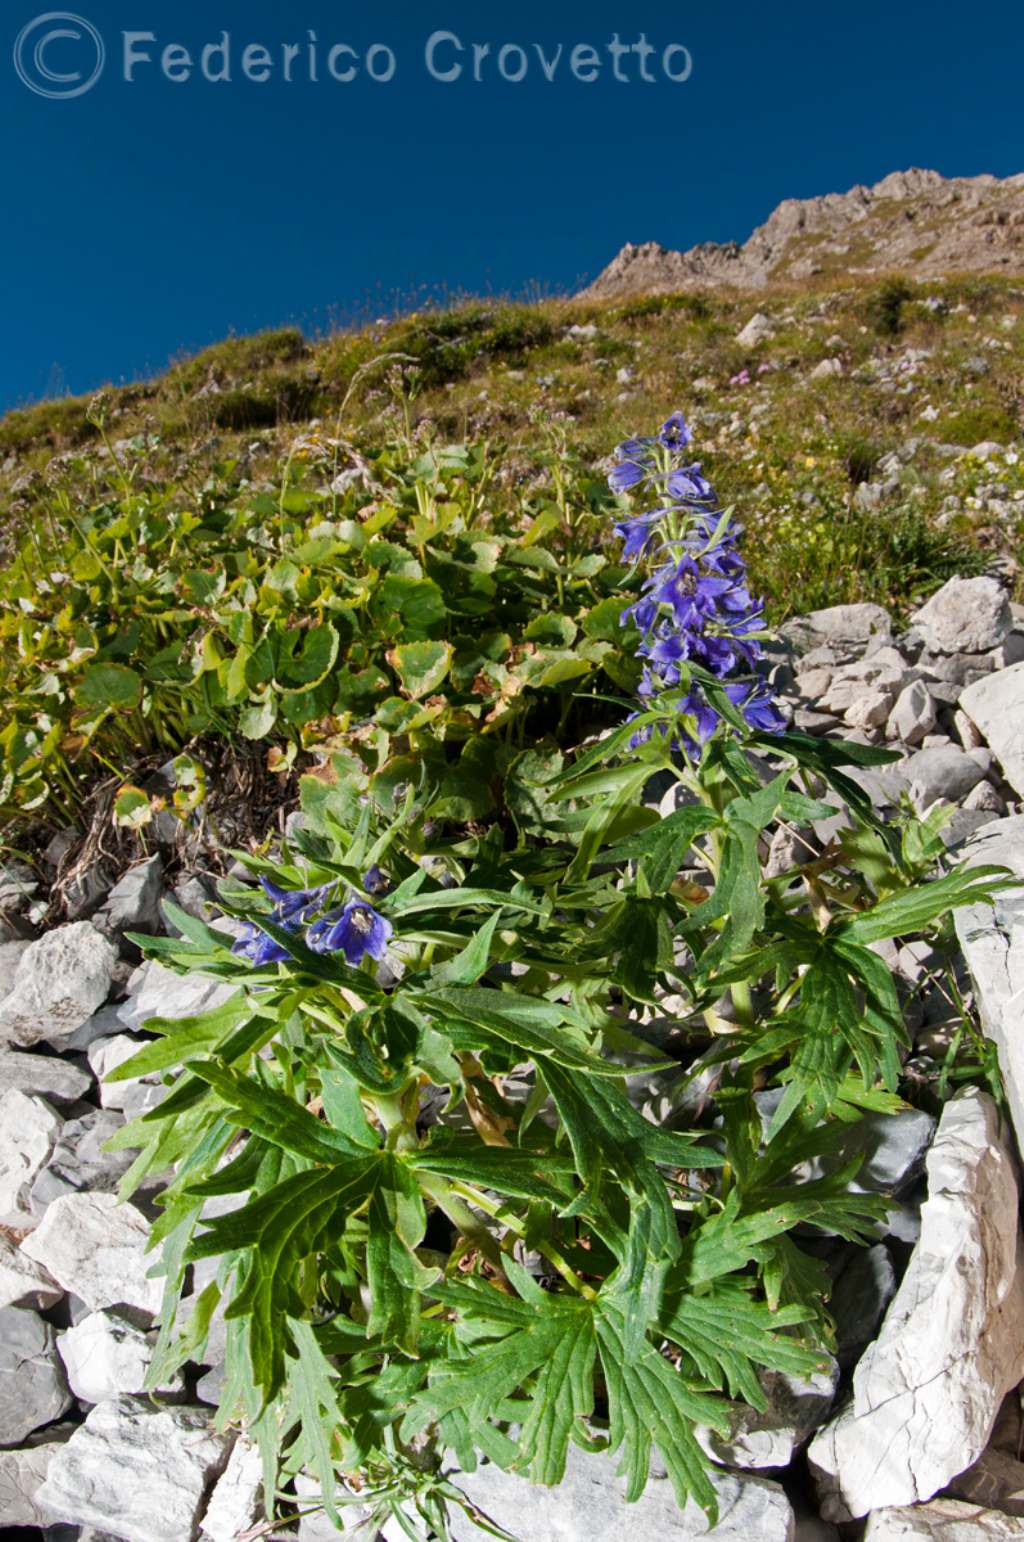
[
  {"x": 29, "y": 1128},
  {"x": 850, "y": 631},
  {"x": 588, "y": 1506},
  {"x": 45, "y": 1076},
  {"x": 79, "y": 1162},
  {"x": 927, "y": 1392},
  {"x": 757, "y": 330},
  {"x": 60, "y": 981},
  {"x": 97, "y": 1248},
  {"x": 23, "y": 1282},
  {"x": 133, "y": 904},
  {"x": 140, "y": 1471},
  {"x": 992, "y": 939},
  {"x": 22, "y": 1474},
  {"x": 948, "y": 774},
  {"x": 967, "y": 615},
  {"x": 944, "y": 1520},
  {"x": 914, "y": 715},
  {"x": 33, "y": 1391},
  {"x": 105, "y": 1055},
  {"x": 797, "y": 1406},
  {"x": 107, "y": 1354},
  {"x": 10, "y": 953},
  {"x": 996, "y": 1480},
  {"x": 158, "y": 992},
  {"x": 860, "y": 1297},
  {"x": 995, "y": 705}
]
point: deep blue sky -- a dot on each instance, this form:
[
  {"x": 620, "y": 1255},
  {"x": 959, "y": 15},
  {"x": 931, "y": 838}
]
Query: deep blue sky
[{"x": 146, "y": 220}]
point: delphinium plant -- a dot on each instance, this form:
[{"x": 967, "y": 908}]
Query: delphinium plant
[{"x": 409, "y": 1145}]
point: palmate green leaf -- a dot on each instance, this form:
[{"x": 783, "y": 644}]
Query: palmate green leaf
[
  {"x": 659, "y": 851},
  {"x": 650, "y": 1403},
  {"x": 468, "y": 965},
  {"x": 539, "y": 1174},
  {"x": 547, "y": 1350},
  {"x": 275, "y": 1117},
  {"x": 544, "y": 1030},
  {"x": 397, "y": 1222},
  {"x": 297, "y": 1218},
  {"x": 550, "y": 1337},
  {"x": 727, "y": 1334},
  {"x": 916, "y": 908}
]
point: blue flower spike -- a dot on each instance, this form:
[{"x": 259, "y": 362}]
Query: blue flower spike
[{"x": 695, "y": 607}]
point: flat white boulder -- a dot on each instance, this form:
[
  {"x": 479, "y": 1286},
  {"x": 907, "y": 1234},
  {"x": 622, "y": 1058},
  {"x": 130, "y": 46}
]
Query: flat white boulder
[
  {"x": 995, "y": 705},
  {"x": 852, "y": 632},
  {"x": 944, "y": 1520},
  {"x": 29, "y": 1129},
  {"x": 992, "y": 939},
  {"x": 107, "y": 1355},
  {"x": 967, "y": 615},
  {"x": 96, "y": 1248},
  {"x": 59, "y": 982},
  {"x": 588, "y": 1506},
  {"x": 927, "y": 1392},
  {"x": 158, "y": 992},
  {"x": 139, "y": 1471}
]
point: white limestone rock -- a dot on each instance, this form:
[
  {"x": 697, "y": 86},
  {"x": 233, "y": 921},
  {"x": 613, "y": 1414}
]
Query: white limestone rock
[
  {"x": 849, "y": 631},
  {"x": 96, "y": 1248},
  {"x": 588, "y": 1506},
  {"x": 757, "y": 330},
  {"x": 236, "y": 1502},
  {"x": 33, "y": 1391},
  {"x": 995, "y": 705},
  {"x": 44, "y": 1076},
  {"x": 139, "y": 1471},
  {"x": 158, "y": 992},
  {"x": 60, "y": 981},
  {"x": 967, "y": 615},
  {"x": 106, "y": 1355},
  {"x": 927, "y": 1392},
  {"x": 29, "y": 1129},
  {"x": 133, "y": 904},
  {"x": 944, "y": 1520},
  {"x": 131, "y": 1097},
  {"x": 23, "y": 1282},
  {"x": 914, "y": 715},
  {"x": 992, "y": 939}
]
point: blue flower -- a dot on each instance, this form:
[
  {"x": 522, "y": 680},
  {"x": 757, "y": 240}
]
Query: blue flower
[
  {"x": 626, "y": 475},
  {"x": 690, "y": 486},
  {"x": 675, "y": 433},
  {"x": 356, "y": 931},
  {"x": 254, "y": 944},
  {"x": 376, "y": 882},
  {"x": 638, "y": 533}
]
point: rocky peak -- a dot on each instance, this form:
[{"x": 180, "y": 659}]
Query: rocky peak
[{"x": 914, "y": 221}]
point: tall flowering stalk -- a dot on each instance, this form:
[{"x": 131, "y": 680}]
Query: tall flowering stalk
[{"x": 695, "y": 608}]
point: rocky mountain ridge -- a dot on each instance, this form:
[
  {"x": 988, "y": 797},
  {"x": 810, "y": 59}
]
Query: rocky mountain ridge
[{"x": 915, "y": 221}]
